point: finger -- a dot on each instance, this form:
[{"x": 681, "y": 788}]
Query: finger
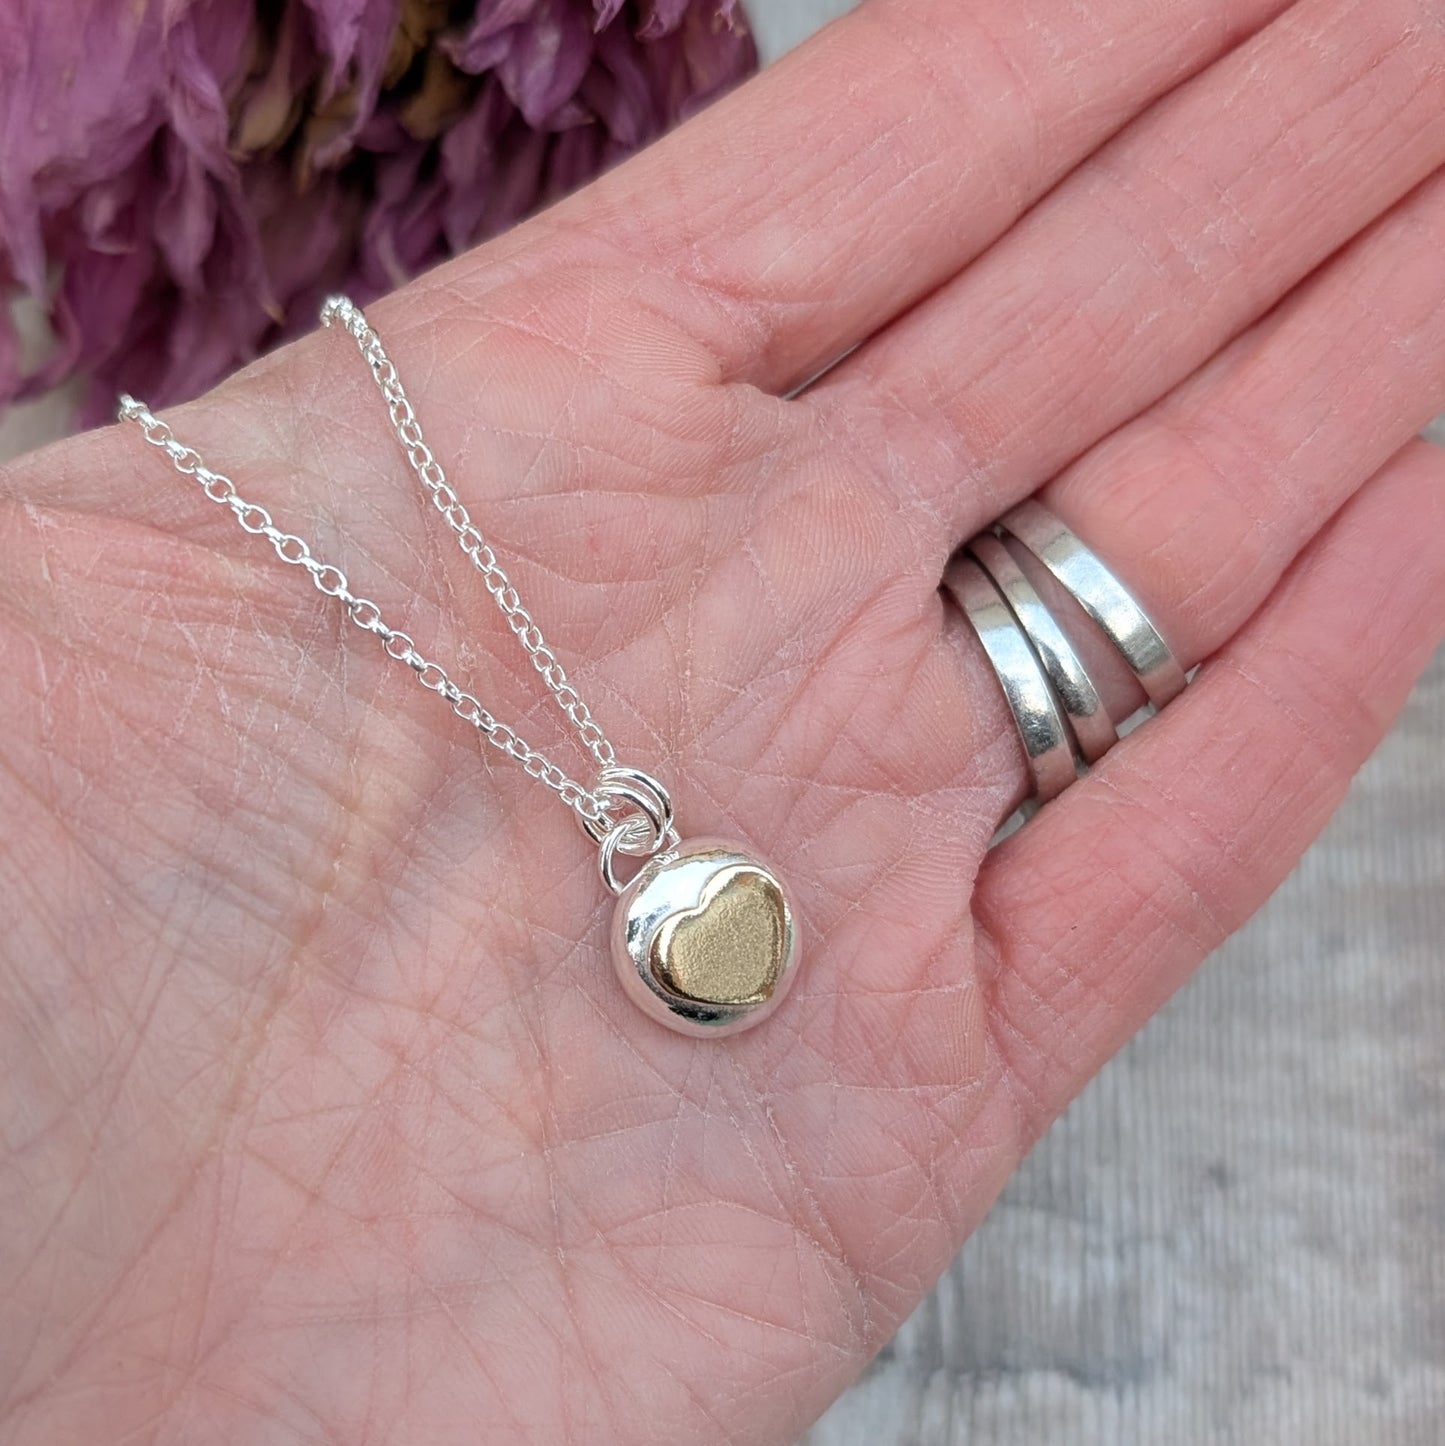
[
  {"x": 776, "y": 235},
  {"x": 571, "y": 324},
  {"x": 1212, "y": 494},
  {"x": 912, "y": 130},
  {"x": 1095, "y": 912},
  {"x": 1168, "y": 242},
  {"x": 1202, "y": 504}
]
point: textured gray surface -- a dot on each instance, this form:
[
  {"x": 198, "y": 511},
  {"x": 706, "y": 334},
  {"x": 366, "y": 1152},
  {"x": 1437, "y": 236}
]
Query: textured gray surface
[{"x": 1237, "y": 1235}]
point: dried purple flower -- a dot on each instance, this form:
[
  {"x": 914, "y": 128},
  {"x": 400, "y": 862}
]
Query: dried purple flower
[{"x": 181, "y": 183}]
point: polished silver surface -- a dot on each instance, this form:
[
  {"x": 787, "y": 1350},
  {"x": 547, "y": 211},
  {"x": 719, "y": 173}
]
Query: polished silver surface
[
  {"x": 1111, "y": 605},
  {"x": 1047, "y": 741},
  {"x": 743, "y": 957},
  {"x": 1093, "y": 728}
]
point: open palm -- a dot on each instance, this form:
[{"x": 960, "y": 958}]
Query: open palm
[{"x": 323, "y": 1118}]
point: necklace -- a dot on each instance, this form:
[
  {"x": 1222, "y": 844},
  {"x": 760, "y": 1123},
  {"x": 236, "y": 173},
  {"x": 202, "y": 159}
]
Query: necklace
[{"x": 702, "y": 937}]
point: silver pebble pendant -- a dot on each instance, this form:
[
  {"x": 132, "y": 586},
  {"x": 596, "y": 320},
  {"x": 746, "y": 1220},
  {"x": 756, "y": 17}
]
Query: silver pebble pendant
[{"x": 703, "y": 938}]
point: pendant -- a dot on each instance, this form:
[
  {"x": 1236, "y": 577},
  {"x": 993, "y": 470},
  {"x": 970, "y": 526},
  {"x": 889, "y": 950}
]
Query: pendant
[{"x": 703, "y": 938}]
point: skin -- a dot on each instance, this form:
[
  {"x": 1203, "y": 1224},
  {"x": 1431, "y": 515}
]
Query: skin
[{"x": 323, "y": 1119}]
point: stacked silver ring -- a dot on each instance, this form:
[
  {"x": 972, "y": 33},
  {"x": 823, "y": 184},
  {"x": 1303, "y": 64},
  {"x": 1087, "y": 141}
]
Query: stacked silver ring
[{"x": 1056, "y": 705}]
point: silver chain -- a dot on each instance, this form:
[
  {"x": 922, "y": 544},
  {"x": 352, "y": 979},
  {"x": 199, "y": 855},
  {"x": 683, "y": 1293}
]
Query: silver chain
[
  {"x": 590, "y": 805},
  {"x": 434, "y": 482}
]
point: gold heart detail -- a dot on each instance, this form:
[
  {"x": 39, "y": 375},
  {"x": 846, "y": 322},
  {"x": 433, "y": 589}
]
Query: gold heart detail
[{"x": 731, "y": 948}]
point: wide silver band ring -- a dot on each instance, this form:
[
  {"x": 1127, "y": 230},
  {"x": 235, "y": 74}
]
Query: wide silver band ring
[
  {"x": 1093, "y": 728},
  {"x": 1042, "y": 729},
  {"x": 1111, "y": 605},
  {"x": 1056, "y": 706}
]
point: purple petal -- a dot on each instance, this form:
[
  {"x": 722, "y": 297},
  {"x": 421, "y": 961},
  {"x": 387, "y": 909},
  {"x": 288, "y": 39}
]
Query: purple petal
[
  {"x": 540, "y": 57},
  {"x": 9, "y": 353},
  {"x": 576, "y": 157},
  {"x": 266, "y": 110},
  {"x": 619, "y": 89},
  {"x": 470, "y": 163},
  {"x": 720, "y": 52},
  {"x": 93, "y": 314},
  {"x": 349, "y": 33},
  {"x": 402, "y": 231},
  {"x": 548, "y": 60},
  {"x": 353, "y": 39},
  {"x": 196, "y": 186},
  {"x": 662, "y": 17},
  {"x": 77, "y": 103},
  {"x": 487, "y": 39}
]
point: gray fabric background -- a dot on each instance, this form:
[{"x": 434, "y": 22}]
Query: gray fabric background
[{"x": 1237, "y": 1234}]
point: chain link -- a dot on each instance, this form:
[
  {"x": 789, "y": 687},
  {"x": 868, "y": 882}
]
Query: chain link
[
  {"x": 454, "y": 513},
  {"x": 365, "y": 614}
]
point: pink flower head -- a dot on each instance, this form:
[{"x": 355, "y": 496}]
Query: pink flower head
[{"x": 182, "y": 181}]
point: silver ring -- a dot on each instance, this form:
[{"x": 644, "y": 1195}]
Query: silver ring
[
  {"x": 612, "y": 844},
  {"x": 1102, "y": 596},
  {"x": 1093, "y": 728},
  {"x": 643, "y": 830},
  {"x": 647, "y": 822},
  {"x": 1046, "y": 737}
]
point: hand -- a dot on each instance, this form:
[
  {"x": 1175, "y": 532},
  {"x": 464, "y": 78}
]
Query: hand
[{"x": 323, "y": 1118}]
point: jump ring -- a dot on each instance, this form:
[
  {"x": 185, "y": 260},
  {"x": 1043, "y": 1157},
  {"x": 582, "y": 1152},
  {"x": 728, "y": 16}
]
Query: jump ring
[
  {"x": 650, "y": 807},
  {"x": 614, "y": 844}
]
